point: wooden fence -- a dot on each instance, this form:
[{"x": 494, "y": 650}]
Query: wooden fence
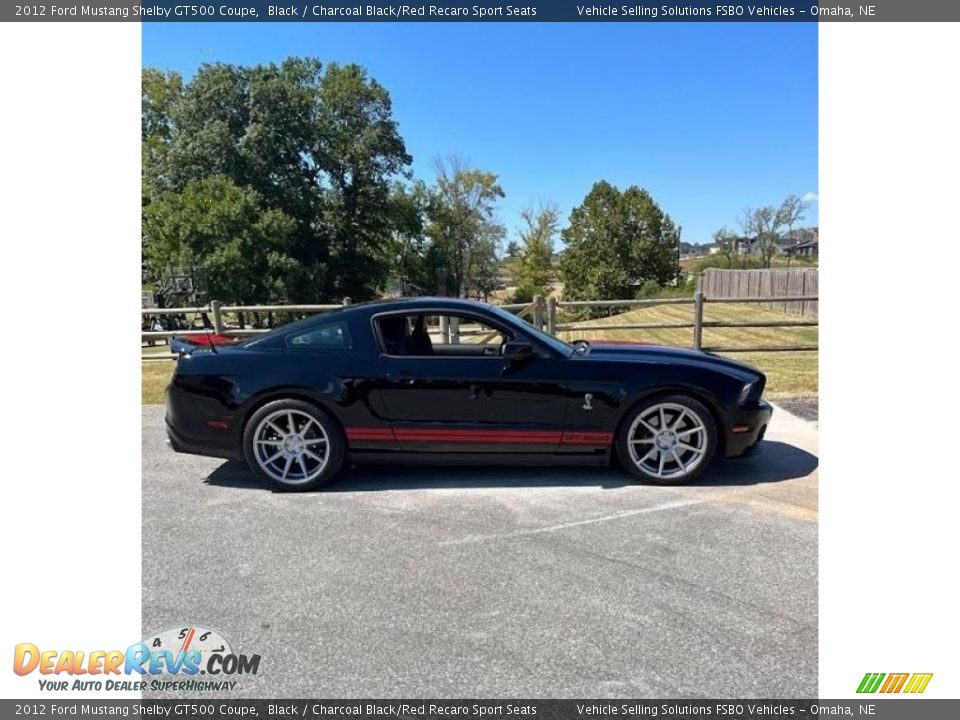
[
  {"x": 541, "y": 313},
  {"x": 768, "y": 285}
]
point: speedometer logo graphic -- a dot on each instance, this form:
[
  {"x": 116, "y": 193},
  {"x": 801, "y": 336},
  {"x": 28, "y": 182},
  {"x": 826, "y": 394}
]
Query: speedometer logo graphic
[{"x": 191, "y": 639}]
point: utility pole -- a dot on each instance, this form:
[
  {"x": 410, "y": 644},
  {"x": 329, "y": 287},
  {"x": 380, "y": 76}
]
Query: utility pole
[{"x": 679, "y": 271}]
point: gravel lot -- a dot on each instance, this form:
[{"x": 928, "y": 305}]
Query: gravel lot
[{"x": 466, "y": 582}]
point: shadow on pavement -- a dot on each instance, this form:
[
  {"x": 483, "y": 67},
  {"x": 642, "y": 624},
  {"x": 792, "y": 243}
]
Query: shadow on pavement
[{"x": 775, "y": 462}]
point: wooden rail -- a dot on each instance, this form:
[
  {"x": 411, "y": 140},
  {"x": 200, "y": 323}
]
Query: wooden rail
[{"x": 541, "y": 313}]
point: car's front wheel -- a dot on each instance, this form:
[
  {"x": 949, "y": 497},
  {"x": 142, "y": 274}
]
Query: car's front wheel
[
  {"x": 293, "y": 445},
  {"x": 667, "y": 440}
]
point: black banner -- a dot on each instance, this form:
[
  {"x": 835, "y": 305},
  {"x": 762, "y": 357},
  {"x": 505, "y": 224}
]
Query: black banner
[
  {"x": 483, "y": 11},
  {"x": 869, "y": 707}
]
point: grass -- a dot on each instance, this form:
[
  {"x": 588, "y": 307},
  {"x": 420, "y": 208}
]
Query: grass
[
  {"x": 788, "y": 373},
  {"x": 154, "y": 376},
  {"x": 699, "y": 263}
]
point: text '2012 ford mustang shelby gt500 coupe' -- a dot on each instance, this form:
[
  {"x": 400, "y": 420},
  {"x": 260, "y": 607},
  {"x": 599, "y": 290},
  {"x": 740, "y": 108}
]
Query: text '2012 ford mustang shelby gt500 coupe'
[{"x": 441, "y": 380}]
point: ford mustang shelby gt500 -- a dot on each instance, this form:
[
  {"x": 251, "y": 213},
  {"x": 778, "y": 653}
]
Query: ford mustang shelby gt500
[{"x": 441, "y": 380}]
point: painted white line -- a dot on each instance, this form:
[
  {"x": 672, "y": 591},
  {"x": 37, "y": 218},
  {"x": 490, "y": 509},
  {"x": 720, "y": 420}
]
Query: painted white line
[{"x": 563, "y": 526}]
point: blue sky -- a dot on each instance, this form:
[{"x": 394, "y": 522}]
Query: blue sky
[{"x": 709, "y": 117}]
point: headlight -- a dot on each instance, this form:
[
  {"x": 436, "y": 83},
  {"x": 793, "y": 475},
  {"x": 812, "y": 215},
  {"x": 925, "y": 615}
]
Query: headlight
[{"x": 746, "y": 392}]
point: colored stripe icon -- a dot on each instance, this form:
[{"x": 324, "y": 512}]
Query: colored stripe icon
[
  {"x": 918, "y": 683},
  {"x": 894, "y": 682}
]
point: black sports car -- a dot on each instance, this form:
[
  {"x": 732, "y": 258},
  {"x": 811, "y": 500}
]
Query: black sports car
[{"x": 441, "y": 380}]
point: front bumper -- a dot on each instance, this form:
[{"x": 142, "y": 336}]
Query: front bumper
[{"x": 747, "y": 428}]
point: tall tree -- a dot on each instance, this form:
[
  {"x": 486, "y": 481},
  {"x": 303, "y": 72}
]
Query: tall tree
[
  {"x": 320, "y": 146},
  {"x": 726, "y": 244},
  {"x": 765, "y": 223},
  {"x": 535, "y": 269},
  {"x": 159, "y": 93},
  {"x": 462, "y": 225},
  {"x": 792, "y": 210},
  {"x": 243, "y": 247},
  {"x": 359, "y": 149},
  {"x": 408, "y": 243},
  {"x": 615, "y": 242}
]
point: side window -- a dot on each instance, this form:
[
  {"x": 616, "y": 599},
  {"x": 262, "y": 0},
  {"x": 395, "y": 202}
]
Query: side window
[
  {"x": 335, "y": 336},
  {"x": 426, "y": 334},
  {"x": 473, "y": 333}
]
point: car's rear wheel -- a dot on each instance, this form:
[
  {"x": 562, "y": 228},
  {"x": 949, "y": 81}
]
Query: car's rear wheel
[
  {"x": 293, "y": 445},
  {"x": 667, "y": 440}
]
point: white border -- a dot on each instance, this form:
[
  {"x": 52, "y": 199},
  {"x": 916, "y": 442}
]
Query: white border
[
  {"x": 70, "y": 183},
  {"x": 889, "y": 489},
  {"x": 889, "y": 156}
]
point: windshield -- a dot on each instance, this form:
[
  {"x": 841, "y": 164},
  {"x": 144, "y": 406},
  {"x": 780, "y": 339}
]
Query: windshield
[{"x": 558, "y": 345}]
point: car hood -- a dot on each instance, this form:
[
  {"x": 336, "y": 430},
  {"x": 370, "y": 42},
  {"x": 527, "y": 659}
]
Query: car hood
[{"x": 640, "y": 352}]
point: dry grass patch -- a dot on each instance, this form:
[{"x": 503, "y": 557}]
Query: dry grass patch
[{"x": 788, "y": 373}]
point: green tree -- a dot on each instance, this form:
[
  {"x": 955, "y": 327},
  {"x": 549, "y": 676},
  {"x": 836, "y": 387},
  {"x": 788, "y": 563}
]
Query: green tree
[
  {"x": 360, "y": 149},
  {"x": 766, "y": 223},
  {"x": 318, "y": 145},
  {"x": 408, "y": 243},
  {"x": 616, "y": 241},
  {"x": 535, "y": 268},
  {"x": 726, "y": 244},
  {"x": 760, "y": 224},
  {"x": 160, "y": 92},
  {"x": 462, "y": 227},
  {"x": 243, "y": 247}
]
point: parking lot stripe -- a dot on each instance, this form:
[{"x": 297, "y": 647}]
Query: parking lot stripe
[{"x": 576, "y": 523}]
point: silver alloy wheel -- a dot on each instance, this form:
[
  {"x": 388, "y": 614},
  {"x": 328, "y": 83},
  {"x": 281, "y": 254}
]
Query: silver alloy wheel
[
  {"x": 291, "y": 447},
  {"x": 667, "y": 440}
]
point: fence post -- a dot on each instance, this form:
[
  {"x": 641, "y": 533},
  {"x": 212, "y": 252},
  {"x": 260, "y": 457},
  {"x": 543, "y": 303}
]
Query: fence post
[
  {"x": 217, "y": 317},
  {"x": 538, "y": 311},
  {"x": 552, "y": 315},
  {"x": 697, "y": 320},
  {"x": 347, "y": 301}
]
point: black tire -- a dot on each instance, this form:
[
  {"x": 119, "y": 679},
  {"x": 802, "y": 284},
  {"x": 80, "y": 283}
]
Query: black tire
[
  {"x": 299, "y": 410},
  {"x": 690, "y": 413}
]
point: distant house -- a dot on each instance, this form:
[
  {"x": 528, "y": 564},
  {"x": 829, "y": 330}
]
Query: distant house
[
  {"x": 804, "y": 243},
  {"x": 745, "y": 245},
  {"x": 798, "y": 237},
  {"x": 808, "y": 248}
]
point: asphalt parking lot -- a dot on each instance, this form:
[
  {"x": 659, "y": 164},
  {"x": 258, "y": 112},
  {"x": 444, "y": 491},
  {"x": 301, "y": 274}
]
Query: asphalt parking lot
[{"x": 495, "y": 582}]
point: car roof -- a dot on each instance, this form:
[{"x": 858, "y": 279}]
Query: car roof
[
  {"x": 370, "y": 308},
  {"x": 417, "y": 303}
]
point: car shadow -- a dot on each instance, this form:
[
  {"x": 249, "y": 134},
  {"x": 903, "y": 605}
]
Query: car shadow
[{"x": 775, "y": 462}]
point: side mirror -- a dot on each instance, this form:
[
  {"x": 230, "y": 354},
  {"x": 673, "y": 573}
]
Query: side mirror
[{"x": 518, "y": 351}]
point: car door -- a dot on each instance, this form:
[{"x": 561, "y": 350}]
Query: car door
[{"x": 455, "y": 392}]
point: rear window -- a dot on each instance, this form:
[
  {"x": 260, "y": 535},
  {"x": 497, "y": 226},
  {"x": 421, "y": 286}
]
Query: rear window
[{"x": 333, "y": 336}]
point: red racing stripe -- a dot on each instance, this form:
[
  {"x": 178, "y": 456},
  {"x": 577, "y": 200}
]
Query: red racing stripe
[
  {"x": 587, "y": 438},
  {"x": 463, "y": 435},
  {"x": 369, "y": 433},
  {"x": 476, "y": 436}
]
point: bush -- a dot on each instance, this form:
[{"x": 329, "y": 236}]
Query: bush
[
  {"x": 524, "y": 294},
  {"x": 649, "y": 289}
]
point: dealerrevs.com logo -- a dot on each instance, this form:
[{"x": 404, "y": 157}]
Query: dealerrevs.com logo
[
  {"x": 910, "y": 683},
  {"x": 189, "y": 659}
]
